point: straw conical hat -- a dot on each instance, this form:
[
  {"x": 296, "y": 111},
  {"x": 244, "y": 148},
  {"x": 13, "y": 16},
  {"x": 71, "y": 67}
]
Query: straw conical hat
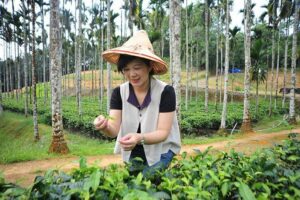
[{"x": 138, "y": 45}]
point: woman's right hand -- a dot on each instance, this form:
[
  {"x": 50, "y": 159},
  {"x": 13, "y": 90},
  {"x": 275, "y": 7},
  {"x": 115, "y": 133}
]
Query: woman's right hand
[{"x": 100, "y": 122}]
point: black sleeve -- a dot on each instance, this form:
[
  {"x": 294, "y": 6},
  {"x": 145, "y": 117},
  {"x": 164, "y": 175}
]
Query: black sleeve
[
  {"x": 115, "y": 100},
  {"x": 168, "y": 100}
]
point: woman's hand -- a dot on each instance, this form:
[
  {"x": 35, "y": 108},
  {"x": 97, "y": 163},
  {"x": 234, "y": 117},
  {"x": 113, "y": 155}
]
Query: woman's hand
[
  {"x": 129, "y": 141},
  {"x": 100, "y": 123}
]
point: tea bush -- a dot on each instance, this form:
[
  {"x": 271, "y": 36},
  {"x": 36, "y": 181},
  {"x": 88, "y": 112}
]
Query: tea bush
[
  {"x": 196, "y": 118},
  {"x": 272, "y": 173},
  {"x": 192, "y": 120}
]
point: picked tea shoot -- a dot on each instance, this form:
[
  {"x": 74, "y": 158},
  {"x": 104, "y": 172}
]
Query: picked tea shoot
[{"x": 108, "y": 117}]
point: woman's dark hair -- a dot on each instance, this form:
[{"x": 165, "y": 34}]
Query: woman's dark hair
[{"x": 125, "y": 59}]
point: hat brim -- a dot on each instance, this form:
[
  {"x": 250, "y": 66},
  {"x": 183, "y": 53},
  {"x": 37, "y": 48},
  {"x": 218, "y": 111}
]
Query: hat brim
[{"x": 158, "y": 65}]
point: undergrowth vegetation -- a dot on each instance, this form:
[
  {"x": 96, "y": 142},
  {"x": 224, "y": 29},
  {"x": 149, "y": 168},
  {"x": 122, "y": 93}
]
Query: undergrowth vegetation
[{"x": 268, "y": 174}]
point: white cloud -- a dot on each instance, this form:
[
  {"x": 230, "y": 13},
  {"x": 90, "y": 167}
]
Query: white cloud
[{"x": 238, "y": 5}]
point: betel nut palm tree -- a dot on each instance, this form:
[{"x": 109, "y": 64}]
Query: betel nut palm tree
[{"x": 58, "y": 144}]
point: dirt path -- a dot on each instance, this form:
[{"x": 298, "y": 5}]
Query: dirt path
[{"x": 24, "y": 173}]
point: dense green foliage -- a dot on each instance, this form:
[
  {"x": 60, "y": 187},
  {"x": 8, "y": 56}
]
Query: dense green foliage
[
  {"x": 193, "y": 121},
  {"x": 269, "y": 174}
]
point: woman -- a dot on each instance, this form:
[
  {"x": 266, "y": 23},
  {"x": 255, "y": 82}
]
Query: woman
[{"x": 142, "y": 110}]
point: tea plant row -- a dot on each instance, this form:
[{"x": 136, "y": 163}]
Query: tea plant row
[
  {"x": 272, "y": 173},
  {"x": 192, "y": 120}
]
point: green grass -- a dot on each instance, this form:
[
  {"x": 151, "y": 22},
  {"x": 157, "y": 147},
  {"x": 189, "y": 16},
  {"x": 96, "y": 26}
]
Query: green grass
[
  {"x": 205, "y": 139},
  {"x": 17, "y": 141},
  {"x": 273, "y": 124}
]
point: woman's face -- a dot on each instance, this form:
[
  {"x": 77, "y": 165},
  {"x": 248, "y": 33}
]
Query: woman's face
[{"x": 137, "y": 73}]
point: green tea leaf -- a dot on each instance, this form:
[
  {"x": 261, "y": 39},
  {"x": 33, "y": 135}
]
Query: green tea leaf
[
  {"x": 82, "y": 162},
  {"x": 109, "y": 117},
  {"x": 2, "y": 180},
  {"x": 161, "y": 195},
  {"x": 95, "y": 179},
  {"x": 246, "y": 192},
  {"x": 293, "y": 158},
  {"x": 138, "y": 195},
  {"x": 224, "y": 189}
]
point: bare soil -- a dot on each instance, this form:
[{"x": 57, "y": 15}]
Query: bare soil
[{"x": 23, "y": 173}]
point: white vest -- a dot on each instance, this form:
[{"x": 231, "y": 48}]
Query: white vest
[{"x": 131, "y": 116}]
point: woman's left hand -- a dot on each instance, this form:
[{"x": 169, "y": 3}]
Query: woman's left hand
[{"x": 129, "y": 141}]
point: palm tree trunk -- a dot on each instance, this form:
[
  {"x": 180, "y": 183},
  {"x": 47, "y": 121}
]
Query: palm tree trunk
[
  {"x": 35, "y": 118},
  {"x": 108, "y": 64},
  {"x": 1, "y": 107},
  {"x": 58, "y": 144},
  {"x": 16, "y": 58},
  {"x": 292, "y": 117},
  {"x": 130, "y": 19},
  {"x": 186, "y": 55},
  {"x": 78, "y": 60},
  {"x": 13, "y": 55},
  {"x": 44, "y": 56},
  {"x": 175, "y": 6},
  {"x": 126, "y": 18},
  {"x": 64, "y": 78},
  {"x": 171, "y": 24},
  {"x": 246, "y": 125},
  {"x": 232, "y": 87},
  {"x": 222, "y": 72},
  {"x": 191, "y": 72},
  {"x": 232, "y": 77},
  {"x": 101, "y": 76},
  {"x": 197, "y": 71},
  {"x": 272, "y": 67},
  {"x": 7, "y": 70},
  {"x": 9, "y": 73},
  {"x": 68, "y": 72},
  {"x": 222, "y": 129},
  {"x": 4, "y": 71},
  {"x": 121, "y": 36},
  {"x": 84, "y": 68},
  {"x": 217, "y": 57},
  {"x": 162, "y": 38},
  {"x": 30, "y": 78},
  {"x": 25, "y": 65},
  {"x": 206, "y": 56},
  {"x": 256, "y": 99},
  {"x": 19, "y": 92},
  {"x": 286, "y": 46},
  {"x": 277, "y": 71},
  {"x": 11, "y": 70},
  {"x": 93, "y": 79},
  {"x": 272, "y": 72},
  {"x": 100, "y": 97},
  {"x": 266, "y": 85},
  {"x": 63, "y": 53},
  {"x": 191, "y": 65},
  {"x": 75, "y": 48}
]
